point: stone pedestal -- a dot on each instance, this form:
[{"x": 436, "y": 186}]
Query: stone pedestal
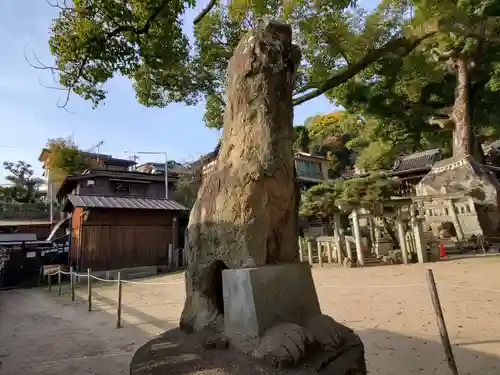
[{"x": 256, "y": 299}]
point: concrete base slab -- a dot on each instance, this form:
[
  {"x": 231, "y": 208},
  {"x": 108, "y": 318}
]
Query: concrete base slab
[{"x": 256, "y": 299}]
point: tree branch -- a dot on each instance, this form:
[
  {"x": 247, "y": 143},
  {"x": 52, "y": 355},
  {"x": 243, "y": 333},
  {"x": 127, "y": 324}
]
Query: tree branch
[
  {"x": 204, "y": 12},
  {"x": 83, "y": 63},
  {"x": 400, "y": 46},
  {"x": 333, "y": 40}
]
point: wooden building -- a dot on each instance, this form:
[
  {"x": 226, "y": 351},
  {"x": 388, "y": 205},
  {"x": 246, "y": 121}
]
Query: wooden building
[
  {"x": 410, "y": 169},
  {"x": 120, "y": 232},
  {"x": 115, "y": 183}
]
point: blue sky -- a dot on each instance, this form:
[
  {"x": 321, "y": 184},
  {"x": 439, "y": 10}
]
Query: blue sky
[{"x": 29, "y": 114}]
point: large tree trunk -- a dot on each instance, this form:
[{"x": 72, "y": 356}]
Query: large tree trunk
[
  {"x": 246, "y": 212},
  {"x": 462, "y": 134}
]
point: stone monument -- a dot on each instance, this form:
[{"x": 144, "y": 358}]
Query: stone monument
[
  {"x": 246, "y": 292},
  {"x": 464, "y": 192}
]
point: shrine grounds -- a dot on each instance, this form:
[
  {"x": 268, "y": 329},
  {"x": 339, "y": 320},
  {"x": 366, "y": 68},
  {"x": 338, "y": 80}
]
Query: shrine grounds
[{"x": 389, "y": 306}]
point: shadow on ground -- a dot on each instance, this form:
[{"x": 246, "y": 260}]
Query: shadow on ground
[
  {"x": 144, "y": 318},
  {"x": 387, "y": 353},
  {"x": 390, "y": 353},
  {"x": 44, "y": 334}
]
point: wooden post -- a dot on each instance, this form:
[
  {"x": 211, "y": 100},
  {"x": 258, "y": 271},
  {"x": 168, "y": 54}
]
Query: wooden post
[
  {"x": 170, "y": 255},
  {"x": 443, "y": 332},
  {"x": 329, "y": 251},
  {"x": 402, "y": 240},
  {"x": 320, "y": 253},
  {"x": 119, "y": 303},
  {"x": 59, "y": 286},
  {"x": 49, "y": 275},
  {"x": 72, "y": 283},
  {"x": 89, "y": 288},
  {"x": 301, "y": 250},
  {"x": 309, "y": 252},
  {"x": 41, "y": 279},
  {"x": 175, "y": 233},
  {"x": 357, "y": 237}
]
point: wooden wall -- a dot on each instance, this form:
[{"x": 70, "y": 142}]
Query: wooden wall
[
  {"x": 74, "y": 250},
  {"x": 104, "y": 186},
  {"x": 119, "y": 238}
]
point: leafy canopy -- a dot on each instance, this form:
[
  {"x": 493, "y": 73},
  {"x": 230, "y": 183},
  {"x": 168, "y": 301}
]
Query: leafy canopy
[
  {"x": 405, "y": 95},
  {"x": 64, "y": 158},
  {"x": 325, "y": 199},
  {"x": 144, "y": 40}
]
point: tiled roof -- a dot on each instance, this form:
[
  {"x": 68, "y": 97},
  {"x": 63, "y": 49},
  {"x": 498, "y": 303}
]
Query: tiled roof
[
  {"x": 100, "y": 201},
  {"x": 423, "y": 160}
]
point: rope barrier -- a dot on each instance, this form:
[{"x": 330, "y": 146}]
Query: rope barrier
[
  {"x": 321, "y": 286},
  {"x": 473, "y": 288},
  {"x": 114, "y": 281},
  {"x": 98, "y": 278},
  {"x": 80, "y": 274},
  {"x": 152, "y": 283},
  {"x": 407, "y": 286},
  {"x": 371, "y": 286}
]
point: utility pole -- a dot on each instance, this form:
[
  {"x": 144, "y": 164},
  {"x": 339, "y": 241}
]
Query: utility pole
[{"x": 96, "y": 147}]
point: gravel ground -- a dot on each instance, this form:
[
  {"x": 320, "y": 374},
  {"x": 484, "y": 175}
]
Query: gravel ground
[{"x": 390, "y": 308}]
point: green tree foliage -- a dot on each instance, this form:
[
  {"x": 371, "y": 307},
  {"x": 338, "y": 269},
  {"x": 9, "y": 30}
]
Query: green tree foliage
[
  {"x": 302, "y": 140},
  {"x": 64, "y": 158},
  {"x": 325, "y": 199},
  {"x": 407, "y": 95},
  {"x": 92, "y": 40},
  {"x": 25, "y": 186},
  {"x": 329, "y": 139},
  {"x": 186, "y": 190},
  {"x": 349, "y": 139}
]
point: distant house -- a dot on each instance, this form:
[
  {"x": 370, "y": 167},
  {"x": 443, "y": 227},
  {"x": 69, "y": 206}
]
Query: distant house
[
  {"x": 94, "y": 161},
  {"x": 175, "y": 170},
  {"x": 311, "y": 169},
  {"x": 116, "y": 184}
]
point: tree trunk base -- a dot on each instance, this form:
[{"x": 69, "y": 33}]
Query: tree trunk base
[{"x": 174, "y": 352}]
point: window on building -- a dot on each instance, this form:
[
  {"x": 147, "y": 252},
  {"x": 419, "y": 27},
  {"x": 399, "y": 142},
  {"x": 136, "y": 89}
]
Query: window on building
[
  {"x": 309, "y": 168},
  {"x": 121, "y": 187}
]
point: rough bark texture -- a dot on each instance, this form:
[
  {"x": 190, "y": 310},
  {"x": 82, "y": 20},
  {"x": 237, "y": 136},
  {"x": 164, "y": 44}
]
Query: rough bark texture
[
  {"x": 246, "y": 212},
  {"x": 462, "y": 134}
]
